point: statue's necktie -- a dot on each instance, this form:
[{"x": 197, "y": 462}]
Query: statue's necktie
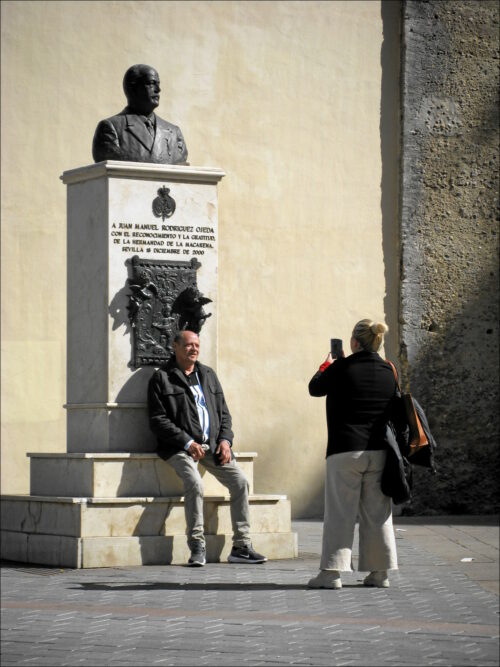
[{"x": 149, "y": 125}]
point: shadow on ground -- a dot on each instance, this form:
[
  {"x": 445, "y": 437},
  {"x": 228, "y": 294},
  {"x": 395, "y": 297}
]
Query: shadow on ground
[{"x": 196, "y": 587}]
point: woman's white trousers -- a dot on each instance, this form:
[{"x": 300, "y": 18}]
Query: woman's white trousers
[{"x": 352, "y": 490}]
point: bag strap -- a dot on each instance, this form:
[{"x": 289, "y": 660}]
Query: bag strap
[
  {"x": 421, "y": 439},
  {"x": 395, "y": 373}
]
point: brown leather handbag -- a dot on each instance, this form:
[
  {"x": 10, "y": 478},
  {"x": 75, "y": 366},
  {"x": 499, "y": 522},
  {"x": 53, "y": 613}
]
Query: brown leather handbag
[{"x": 417, "y": 437}]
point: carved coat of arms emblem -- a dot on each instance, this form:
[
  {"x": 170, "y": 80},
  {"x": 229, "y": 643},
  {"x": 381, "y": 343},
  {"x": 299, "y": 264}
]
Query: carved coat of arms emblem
[
  {"x": 164, "y": 204},
  {"x": 164, "y": 299}
]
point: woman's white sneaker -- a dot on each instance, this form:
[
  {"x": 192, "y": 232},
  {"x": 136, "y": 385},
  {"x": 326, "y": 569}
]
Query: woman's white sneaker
[
  {"x": 326, "y": 579},
  {"x": 378, "y": 579}
]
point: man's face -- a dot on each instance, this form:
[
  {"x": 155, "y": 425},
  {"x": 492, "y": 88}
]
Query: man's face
[
  {"x": 145, "y": 94},
  {"x": 187, "y": 349}
]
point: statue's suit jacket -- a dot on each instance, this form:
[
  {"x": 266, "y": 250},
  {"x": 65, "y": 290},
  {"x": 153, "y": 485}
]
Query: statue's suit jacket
[{"x": 125, "y": 137}]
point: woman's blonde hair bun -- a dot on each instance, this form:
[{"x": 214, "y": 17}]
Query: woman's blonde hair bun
[
  {"x": 369, "y": 334},
  {"x": 378, "y": 328}
]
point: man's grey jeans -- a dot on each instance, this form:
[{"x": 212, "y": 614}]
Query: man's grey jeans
[{"x": 230, "y": 476}]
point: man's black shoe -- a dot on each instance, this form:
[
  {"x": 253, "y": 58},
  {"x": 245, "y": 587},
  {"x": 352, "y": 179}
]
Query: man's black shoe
[
  {"x": 198, "y": 557},
  {"x": 245, "y": 555}
]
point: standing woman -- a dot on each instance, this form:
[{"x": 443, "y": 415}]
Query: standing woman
[{"x": 359, "y": 390}]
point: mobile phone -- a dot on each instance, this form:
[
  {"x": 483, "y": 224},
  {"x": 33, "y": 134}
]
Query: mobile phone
[{"x": 336, "y": 347}]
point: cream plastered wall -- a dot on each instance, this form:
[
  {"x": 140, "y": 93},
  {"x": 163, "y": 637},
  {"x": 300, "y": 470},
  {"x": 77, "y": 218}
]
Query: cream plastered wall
[{"x": 285, "y": 98}]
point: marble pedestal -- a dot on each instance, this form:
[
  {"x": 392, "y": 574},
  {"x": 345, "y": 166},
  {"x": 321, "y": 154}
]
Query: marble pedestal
[
  {"x": 111, "y": 219},
  {"x": 110, "y": 500},
  {"x": 107, "y": 510}
]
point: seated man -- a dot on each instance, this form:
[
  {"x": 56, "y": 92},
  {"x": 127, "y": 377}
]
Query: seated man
[{"x": 189, "y": 416}]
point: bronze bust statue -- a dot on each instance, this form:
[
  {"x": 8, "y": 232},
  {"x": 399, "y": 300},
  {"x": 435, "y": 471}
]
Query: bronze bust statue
[{"x": 137, "y": 134}]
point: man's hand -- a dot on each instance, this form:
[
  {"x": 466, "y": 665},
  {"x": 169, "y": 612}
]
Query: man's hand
[
  {"x": 223, "y": 451},
  {"x": 196, "y": 451}
]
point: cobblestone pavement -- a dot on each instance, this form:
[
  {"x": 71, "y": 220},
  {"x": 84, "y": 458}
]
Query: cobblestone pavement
[{"x": 439, "y": 610}]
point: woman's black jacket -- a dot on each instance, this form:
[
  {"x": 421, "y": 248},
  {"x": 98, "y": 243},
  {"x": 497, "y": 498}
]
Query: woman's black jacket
[{"x": 360, "y": 390}]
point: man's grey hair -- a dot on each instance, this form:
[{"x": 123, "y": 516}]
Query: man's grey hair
[{"x": 178, "y": 335}]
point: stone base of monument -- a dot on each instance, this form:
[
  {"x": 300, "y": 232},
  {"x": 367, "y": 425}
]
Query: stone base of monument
[
  {"x": 140, "y": 236},
  {"x": 106, "y": 510},
  {"x": 118, "y": 475}
]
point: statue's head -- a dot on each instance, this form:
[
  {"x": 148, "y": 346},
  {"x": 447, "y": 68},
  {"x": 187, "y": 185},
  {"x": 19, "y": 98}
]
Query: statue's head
[{"x": 141, "y": 85}]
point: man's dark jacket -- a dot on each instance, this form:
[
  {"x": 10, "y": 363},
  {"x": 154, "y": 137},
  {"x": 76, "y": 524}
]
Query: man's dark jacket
[{"x": 173, "y": 416}]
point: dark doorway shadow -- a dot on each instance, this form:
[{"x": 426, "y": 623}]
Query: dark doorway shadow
[{"x": 389, "y": 148}]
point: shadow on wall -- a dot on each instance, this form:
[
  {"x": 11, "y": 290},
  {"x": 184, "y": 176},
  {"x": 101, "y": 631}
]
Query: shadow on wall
[
  {"x": 463, "y": 420},
  {"x": 389, "y": 148},
  {"x": 135, "y": 389}
]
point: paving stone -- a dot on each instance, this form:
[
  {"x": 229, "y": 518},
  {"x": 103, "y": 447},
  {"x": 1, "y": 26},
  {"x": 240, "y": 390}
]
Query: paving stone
[{"x": 435, "y": 611}]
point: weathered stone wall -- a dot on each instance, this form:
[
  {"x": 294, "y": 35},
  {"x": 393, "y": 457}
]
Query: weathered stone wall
[{"x": 449, "y": 243}]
